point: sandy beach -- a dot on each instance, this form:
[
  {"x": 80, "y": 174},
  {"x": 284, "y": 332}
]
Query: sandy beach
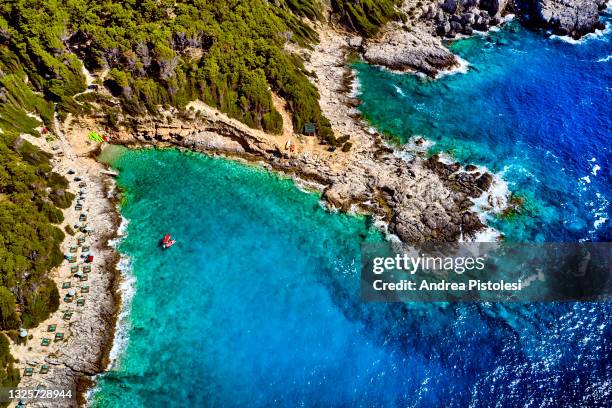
[{"x": 79, "y": 334}]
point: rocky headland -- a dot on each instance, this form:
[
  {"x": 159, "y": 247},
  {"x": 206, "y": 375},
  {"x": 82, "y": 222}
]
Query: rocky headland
[
  {"x": 419, "y": 198},
  {"x": 416, "y": 44}
]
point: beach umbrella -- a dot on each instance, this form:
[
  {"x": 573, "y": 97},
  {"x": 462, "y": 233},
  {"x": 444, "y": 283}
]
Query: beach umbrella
[
  {"x": 78, "y": 274},
  {"x": 23, "y": 332},
  {"x": 71, "y": 292},
  {"x": 94, "y": 137}
]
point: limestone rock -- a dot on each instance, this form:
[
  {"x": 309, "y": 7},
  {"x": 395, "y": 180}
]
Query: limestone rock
[
  {"x": 574, "y": 18},
  {"x": 402, "y": 50}
]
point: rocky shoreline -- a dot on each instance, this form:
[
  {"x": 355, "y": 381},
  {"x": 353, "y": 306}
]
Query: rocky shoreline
[
  {"x": 420, "y": 198},
  {"x": 416, "y": 45}
]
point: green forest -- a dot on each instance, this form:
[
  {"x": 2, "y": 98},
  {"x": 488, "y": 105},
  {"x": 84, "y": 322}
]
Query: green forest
[{"x": 229, "y": 53}]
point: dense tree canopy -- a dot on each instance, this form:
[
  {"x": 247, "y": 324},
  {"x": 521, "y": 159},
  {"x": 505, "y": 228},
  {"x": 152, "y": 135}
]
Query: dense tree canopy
[
  {"x": 230, "y": 54},
  {"x": 366, "y": 16}
]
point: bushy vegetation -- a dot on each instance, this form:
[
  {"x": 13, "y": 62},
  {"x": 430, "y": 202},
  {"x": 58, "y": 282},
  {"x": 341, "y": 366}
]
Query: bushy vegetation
[
  {"x": 30, "y": 194},
  {"x": 366, "y": 16},
  {"x": 230, "y": 54},
  {"x": 9, "y": 375},
  {"x": 29, "y": 243}
]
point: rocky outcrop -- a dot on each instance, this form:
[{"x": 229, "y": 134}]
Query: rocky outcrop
[
  {"x": 421, "y": 200},
  {"x": 564, "y": 17},
  {"x": 415, "y": 44},
  {"x": 452, "y": 17},
  {"x": 403, "y": 50}
]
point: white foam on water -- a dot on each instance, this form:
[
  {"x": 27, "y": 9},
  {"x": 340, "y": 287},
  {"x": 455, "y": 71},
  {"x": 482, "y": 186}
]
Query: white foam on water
[
  {"x": 399, "y": 90},
  {"x": 595, "y": 169},
  {"x": 355, "y": 85},
  {"x": 493, "y": 29},
  {"x": 446, "y": 158},
  {"x": 463, "y": 68},
  {"x": 491, "y": 203},
  {"x": 597, "y": 35},
  {"x": 599, "y": 222},
  {"x": 600, "y": 212},
  {"x": 495, "y": 199},
  {"x": 415, "y": 145},
  {"x": 127, "y": 289},
  {"x": 605, "y": 59},
  {"x": 383, "y": 226},
  {"x": 487, "y": 235}
]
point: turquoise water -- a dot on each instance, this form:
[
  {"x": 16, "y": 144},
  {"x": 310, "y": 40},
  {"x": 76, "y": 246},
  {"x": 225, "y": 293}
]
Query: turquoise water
[
  {"x": 250, "y": 267},
  {"x": 258, "y": 305},
  {"x": 536, "y": 110},
  {"x": 258, "y": 302}
]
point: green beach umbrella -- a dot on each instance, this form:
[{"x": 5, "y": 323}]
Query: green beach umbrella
[{"x": 93, "y": 136}]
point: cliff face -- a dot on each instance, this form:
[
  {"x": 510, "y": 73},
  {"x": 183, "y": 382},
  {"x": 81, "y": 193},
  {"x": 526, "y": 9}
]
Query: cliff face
[{"x": 565, "y": 17}]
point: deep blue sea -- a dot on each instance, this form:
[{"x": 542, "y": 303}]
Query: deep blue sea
[
  {"x": 535, "y": 110},
  {"x": 258, "y": 304}
]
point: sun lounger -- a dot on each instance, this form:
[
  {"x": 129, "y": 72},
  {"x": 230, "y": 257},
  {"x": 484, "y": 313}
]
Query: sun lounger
[
  {"x": 67, "y": 315},
  {"x": 59, "y": 336},
  {"x": 44, "y": 369},
  {"x": 74, "y": 269},
  {"x": 85, "y": 289},
  {"x": 45, "y": 342},
  {"x": 80, "y": 302},
  {"x": 51, "y": 328},
  {"x": 28, "y": 371},
  {"x": 66, "y": 285}
]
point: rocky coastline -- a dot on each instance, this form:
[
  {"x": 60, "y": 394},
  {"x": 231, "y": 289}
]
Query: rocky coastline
[
  {"x": 416, "y": 44},
  {"x": 419, "y": 198}
]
